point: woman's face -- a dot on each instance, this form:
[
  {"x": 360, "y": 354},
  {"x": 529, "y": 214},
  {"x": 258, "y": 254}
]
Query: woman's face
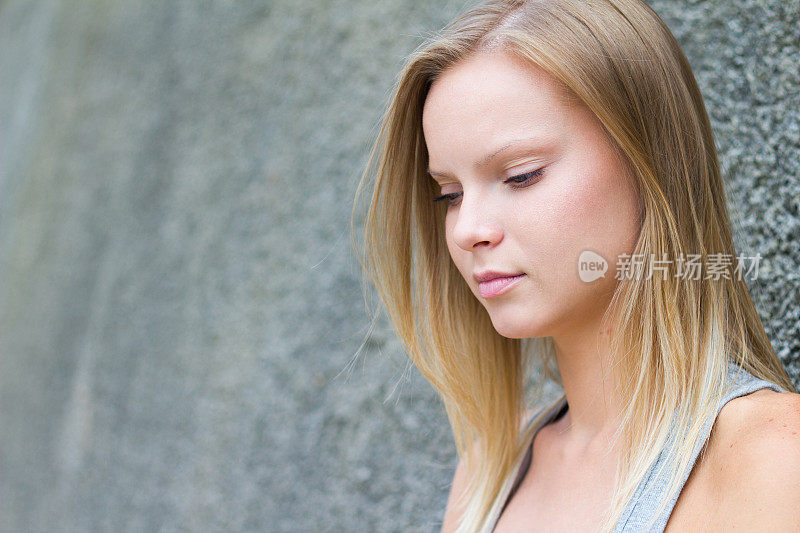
[{"x": 534, "y": 182}]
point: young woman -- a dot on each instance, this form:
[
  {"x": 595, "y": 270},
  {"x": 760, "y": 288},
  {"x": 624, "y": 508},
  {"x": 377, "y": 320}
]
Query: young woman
[{"x": 532, "y": 154}]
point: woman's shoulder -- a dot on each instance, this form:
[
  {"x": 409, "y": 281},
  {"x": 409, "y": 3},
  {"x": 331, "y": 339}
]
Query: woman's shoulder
[
  {"x": 750, "y": 425},
  {"x": 754, "y": 456},
  {"x": 761, "y": 415}
]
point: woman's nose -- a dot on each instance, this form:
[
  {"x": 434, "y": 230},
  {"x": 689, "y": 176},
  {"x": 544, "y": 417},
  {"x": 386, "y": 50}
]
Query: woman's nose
[{"x": 475, "y": 224}]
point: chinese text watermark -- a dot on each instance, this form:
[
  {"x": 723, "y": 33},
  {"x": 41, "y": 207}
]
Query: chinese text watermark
[{"x": 592, "y": 266}]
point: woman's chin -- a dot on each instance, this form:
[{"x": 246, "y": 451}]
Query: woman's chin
[{"x": 516, "y": 329}]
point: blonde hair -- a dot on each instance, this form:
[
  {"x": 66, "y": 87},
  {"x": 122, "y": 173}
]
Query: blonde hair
[{"x": 619, "y": 59}]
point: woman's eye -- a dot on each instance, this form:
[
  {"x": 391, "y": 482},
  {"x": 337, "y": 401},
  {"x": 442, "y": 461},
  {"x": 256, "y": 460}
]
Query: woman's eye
[
  {"x": 517, "y": 182},
  {"x": 451, "y": 198},
  {"x": 524, "y": 179}
]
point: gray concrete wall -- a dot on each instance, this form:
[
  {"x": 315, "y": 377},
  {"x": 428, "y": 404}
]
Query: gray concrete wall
[{"x": 178, "y": 297}]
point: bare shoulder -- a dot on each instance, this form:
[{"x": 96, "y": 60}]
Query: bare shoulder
[
  {"x": 754, "y": 454},
  {"x": 758, "y": 418}
]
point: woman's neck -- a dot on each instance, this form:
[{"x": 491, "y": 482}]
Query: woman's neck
[{"x": 583, "y": 358}]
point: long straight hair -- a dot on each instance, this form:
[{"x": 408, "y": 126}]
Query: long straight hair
[{"x": 619, "y": 59}]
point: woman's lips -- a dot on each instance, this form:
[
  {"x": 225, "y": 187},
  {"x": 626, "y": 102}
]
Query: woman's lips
[{"x": 497, "y": 286}]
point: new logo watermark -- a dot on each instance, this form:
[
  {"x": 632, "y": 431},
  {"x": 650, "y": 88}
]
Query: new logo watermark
[{"x": 593, "y": 266}]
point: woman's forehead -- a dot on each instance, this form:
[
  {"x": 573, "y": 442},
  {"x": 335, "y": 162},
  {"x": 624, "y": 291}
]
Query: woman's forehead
[
  {"x": 489, "y": 101},
  {"x": 488, "y": 92}
]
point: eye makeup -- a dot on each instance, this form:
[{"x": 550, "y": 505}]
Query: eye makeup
[{"x": 516, "y": 182}]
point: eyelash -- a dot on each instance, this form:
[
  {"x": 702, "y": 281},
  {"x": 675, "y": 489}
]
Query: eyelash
[{"x": 528, "y": 178}]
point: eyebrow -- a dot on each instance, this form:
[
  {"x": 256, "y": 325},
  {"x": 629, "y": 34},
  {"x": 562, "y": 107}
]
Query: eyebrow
[{"x": 488, "y": 159}]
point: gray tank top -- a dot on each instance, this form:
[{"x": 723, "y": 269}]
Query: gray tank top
[{"x": 642, "y": 506}]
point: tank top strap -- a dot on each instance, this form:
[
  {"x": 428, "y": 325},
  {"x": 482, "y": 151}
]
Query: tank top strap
[
  {"x": 641, "y": 508},
  {"x": 552, "y": 412}
]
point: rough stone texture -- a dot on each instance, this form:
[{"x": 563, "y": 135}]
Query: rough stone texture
[{"x": 178, "y": 297}]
